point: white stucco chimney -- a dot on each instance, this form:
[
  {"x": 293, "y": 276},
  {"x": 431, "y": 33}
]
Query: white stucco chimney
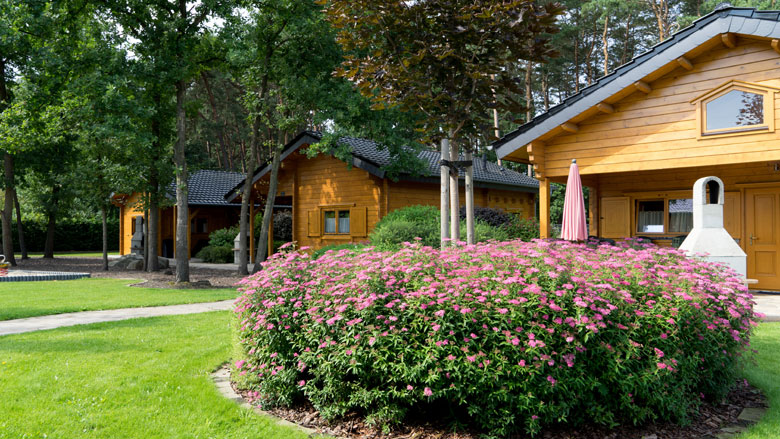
[{"x": 708, "y": 235}]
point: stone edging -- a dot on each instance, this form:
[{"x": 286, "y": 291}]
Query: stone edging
[{"x": 222, "y": 380}]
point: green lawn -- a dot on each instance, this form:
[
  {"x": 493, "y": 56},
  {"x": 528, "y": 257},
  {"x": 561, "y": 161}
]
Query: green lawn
[
  {"x": 27, "y": 299},
  {"x": 766, "y": 376},
  {"x": 149, "y": 378},
  {"x": 142, "y": 378}
]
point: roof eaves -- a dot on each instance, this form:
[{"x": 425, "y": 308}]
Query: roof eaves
[
  {"x": 304, "y": 138},
  {"x": 737, "y": 20}
]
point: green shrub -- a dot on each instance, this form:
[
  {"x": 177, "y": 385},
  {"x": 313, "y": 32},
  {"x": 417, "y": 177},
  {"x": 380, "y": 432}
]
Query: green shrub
[
  {"x": 336, "y": 247},
  {"x": 410, "y": 223},
  {"x": 216, "y": 254},
  {"x": 69, "y": 235},
  {"x": 504, "y": 337},
  {"x": 522, "y": 228},
  {"x": 223, "y": 237}
]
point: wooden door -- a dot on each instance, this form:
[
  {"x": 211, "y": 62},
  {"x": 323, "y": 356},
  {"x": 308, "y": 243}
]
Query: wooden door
[
  {"x": 615, "y": 217},
  {"x": 762, "y": 243}
]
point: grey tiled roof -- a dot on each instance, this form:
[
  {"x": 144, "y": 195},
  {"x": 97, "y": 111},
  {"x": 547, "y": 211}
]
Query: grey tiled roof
[
  {"x": 484, "y": 171},
  {"x": 208, "y": 188},
  {"x": 747, "y": 21}
]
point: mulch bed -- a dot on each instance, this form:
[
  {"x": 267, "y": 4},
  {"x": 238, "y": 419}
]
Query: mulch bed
[
  {"x": 199, "y": 277},
  {"x": 707, "y": 424}
]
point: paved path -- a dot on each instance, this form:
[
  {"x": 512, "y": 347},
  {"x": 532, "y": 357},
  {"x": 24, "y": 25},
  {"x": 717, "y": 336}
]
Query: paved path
[
  {"x": 768, "y": 304},
  {"x": 81, "y": 318}
]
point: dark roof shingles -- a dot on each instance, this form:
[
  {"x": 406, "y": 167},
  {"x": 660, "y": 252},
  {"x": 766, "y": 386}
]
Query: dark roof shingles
[
  {"x": 484, "y": 171},
  {"x": 208, "y": 188}
]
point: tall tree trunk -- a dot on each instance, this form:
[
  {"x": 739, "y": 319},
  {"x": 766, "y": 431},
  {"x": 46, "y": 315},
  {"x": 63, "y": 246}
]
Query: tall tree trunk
[
  {"x": 48, "y": 247},
  {"x": 215, "y": 119},
  {"x": 145, "y": 231},
  {"x": 605, "y": 46},
  {"x": 182, "y": 206},
  {"x": 445, "y": 194},
  {"x": 576, "y": 66},
  {"x": 470, "y": 238},
  {"x": 243, "y": 250},
  {"x": 624, "y": 56},
  {"x": 546, "y": 90},
  {"x": 528, "y": 92},
  {"x": 454, "y": 196},
  {"x": 8, "y": 209},
  {"x": 268, "y": 213},
  {"x": 8, "y": 170},
  {"x": 104, "y": 219},
  {"x": 152, "y": 263},
  {"x": 20, "y": 227}
]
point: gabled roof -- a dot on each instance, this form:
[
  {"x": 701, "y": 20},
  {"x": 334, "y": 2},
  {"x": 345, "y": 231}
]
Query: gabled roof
[
  {"x": 372, "y": 157},
  {"x": 207, "y": 188},
  {"x": 745, "y": 21}
]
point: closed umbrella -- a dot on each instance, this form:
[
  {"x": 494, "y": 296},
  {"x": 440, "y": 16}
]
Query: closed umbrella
[{"x": 574, "y": 228}]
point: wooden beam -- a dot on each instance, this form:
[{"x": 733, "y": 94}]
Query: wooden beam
[
  {"x": 776, "y": 45},
  {"x": 605, "y": 108},
  {"x": 643, "y": 87},
  {"x": 570, "y": 127},
  {"x": 729, "y": 40},
  {"x": 685, "y": 63},
  {"x": 544, "y": 208},
  {"x": 593, "y": 211}
]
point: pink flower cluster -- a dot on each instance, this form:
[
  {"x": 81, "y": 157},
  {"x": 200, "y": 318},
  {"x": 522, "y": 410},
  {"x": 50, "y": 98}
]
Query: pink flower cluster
[{"x": 535, "y": 324}]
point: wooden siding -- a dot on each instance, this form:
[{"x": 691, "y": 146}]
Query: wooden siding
[
  {"x": 404, "y": 193},
  {"x": 216, "y": 218},
  {"x": 679, "y": 182},
  {"x": 322, "y": 182},
  {"x": 659, "y": 130}
]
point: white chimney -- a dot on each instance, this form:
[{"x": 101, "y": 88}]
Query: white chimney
[{"x": 708, "y": 235}]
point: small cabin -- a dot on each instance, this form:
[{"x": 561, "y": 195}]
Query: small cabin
[
  {"x": 702, "y": 103},
  {"x": 208, "y": 212},
  {"x": 336, "y": 202}
]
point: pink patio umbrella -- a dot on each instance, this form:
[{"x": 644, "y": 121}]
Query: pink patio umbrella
[{"x": 574, "y": 207}]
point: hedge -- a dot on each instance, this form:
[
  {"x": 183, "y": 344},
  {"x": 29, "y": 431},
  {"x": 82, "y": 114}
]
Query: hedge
[{"x": 69, "y": 236}]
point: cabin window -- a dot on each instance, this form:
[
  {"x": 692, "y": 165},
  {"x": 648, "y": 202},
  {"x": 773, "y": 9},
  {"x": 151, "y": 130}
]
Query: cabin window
[
  {"x": 336, "y": 221},
  {"x": 650, "y": 216},
  {"x": 736, "y": 108},
  {"x": 200, "y": 225},
  {"x": 680, "y": 215}
]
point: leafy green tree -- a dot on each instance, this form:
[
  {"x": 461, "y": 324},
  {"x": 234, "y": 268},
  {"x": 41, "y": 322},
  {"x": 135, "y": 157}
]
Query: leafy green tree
[
  {"x": 172, "y": 37},
  {"x": 444, "y": 60}
]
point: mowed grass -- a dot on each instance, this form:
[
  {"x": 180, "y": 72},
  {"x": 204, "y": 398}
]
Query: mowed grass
[
  {"x": 765, "y": 375},
  {"x": 143, "y": 378},
  {"x": 27, "y": 299}
]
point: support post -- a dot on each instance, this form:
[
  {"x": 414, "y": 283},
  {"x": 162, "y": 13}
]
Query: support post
[
  {"x": 445, "y": 194},
  {"x": 454, "y": 197},
  {"x": 470, "y": 238},
  {"x": 593, "y": 211},
  {"x": 544, "y": 208}
]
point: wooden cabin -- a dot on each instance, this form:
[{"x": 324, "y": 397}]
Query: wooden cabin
[
  {"x": 704, "y": 102},
  {"x": 334, "y": 202},
  {"x": 207, "y": 208}
]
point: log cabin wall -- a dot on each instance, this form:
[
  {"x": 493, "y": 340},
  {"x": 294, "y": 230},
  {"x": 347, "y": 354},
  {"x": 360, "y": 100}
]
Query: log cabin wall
[
  {"x": 659, "y": 130},
  {"x": 410, "y": 193},
  {"x": 324, "y": 183},
  {"x": 678, "y": 183}
]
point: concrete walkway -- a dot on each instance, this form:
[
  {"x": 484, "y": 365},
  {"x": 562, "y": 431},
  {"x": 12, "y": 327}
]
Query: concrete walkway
[
  {"x": 19, "y": 326},
  {"x": 768, "y": 304}
]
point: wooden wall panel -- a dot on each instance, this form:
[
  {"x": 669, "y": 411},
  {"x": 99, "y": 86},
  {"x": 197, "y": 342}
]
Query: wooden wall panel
[
  {"x": 656, "y": 184},
  {"x": 659, "y": 130}
]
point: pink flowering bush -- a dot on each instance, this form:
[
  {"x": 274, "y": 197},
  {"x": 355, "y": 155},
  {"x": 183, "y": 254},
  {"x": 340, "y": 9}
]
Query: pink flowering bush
[{"x": 506, "y": 336}]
